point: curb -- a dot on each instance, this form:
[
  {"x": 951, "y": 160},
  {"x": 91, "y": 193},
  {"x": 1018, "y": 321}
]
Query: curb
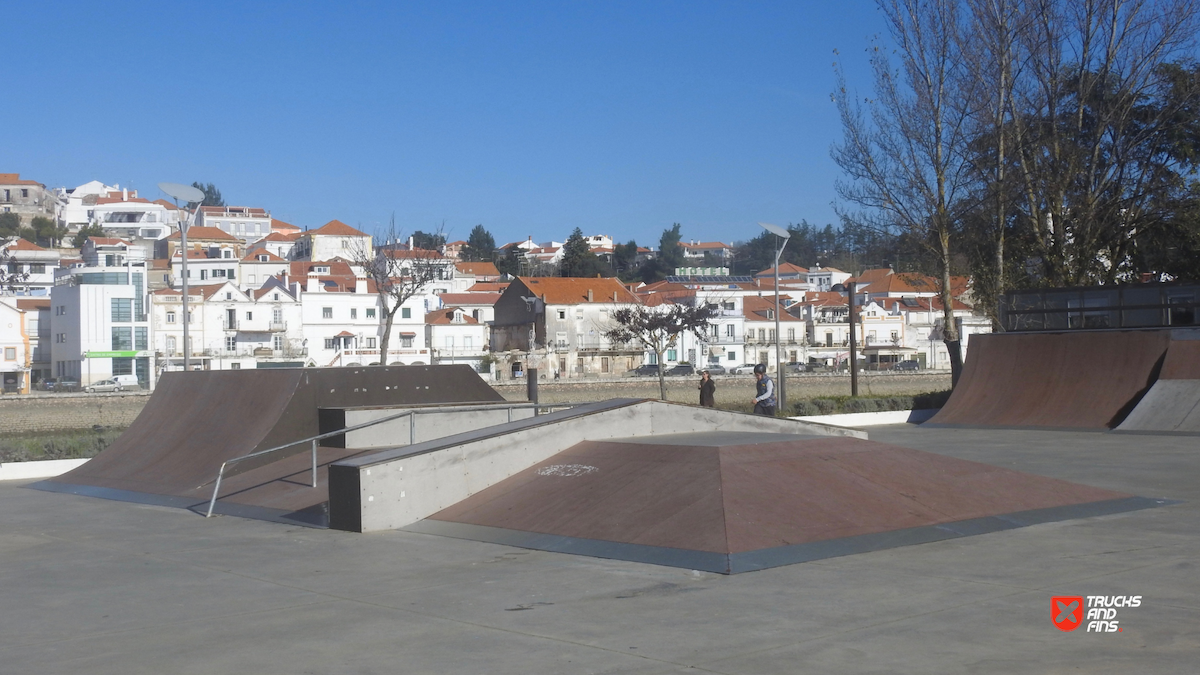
[
  {"x": 46, "y": 468},
  {"x": 872, "y": 418}
]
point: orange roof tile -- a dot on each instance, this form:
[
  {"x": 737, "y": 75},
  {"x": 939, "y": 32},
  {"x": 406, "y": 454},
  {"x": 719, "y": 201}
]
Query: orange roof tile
[
  {"x": 574, "y": 290},
  {"x": 445, "y": 316},
  {"x": 165, "y": 203},
  {"x": 338, "y": 229},
  {"x": 24, "y": 245},
  {"x": 488, "y": 287},
  {"x": 253, "y": 256},
  {"x": 280, "y": 226},
  {"x": 755, "y": 308},
  {"x": 478, "y": 268},
  {"x": 785, "y": 268},
  {"x": 15, "y": 179}
]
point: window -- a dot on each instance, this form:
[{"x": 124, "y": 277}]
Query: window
[
  {"x": 122, "y": 339},
  {"x": 370, "y": 343},
  {"x": 170, "y": 344},
  {"x": 562, "y": 315},
  {"x": 250, "y": 279},
  {"x": 330, "y": 343},
  {"x": 320, "y": 269},
  {"x": 203, "y": 274},
  {"x": 37, "y": 268},
  {"x": 670, "y": 354},
  {"x": 729, "y": 330},
  {"x": 370, "y": 312},
  {"x": 220, "y": 273},
  {"x": 10, "y": 353},
  {"x": 449, "y": 342},
  {"x": 468, "y": 343},
  {"x": 731, "y": 356},
  {"x": 405, "y": 313},
  {"x": 772, "y": 334},
  {"x": 122, "y": 366},
  {"x": 141, "y": 340},
  {"x": 24, "y": 192},
  {"x": 727, "y": 305},
  {"x": 405, "y": 341},
  {"x": 230, "y": 274},
  {"x": 122, "y": 310},
  {"x": 353, "y": 312},
  {"x": 249, "y": 316},
  {"x": 326, "y": 312},
  {"x": 235, "y": 366},
  {"x": 715, "y": 330},
  {"x": 792, "y": 336},
  {"x": 262, "y": 257},
  {"x": 762, "y": 333},
  {"x": 277, "y": 343}
]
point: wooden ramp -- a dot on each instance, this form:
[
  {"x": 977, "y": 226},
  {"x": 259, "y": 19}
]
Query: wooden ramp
[{"x": 736, "y": 502}]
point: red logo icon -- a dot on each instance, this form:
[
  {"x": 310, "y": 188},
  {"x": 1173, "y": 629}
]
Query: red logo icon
[{"x": 1066, "y": 611}]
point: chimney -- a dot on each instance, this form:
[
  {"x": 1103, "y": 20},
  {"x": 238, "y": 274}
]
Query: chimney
[
  {"x": 125, "y": 195},
  {"x": 410, "y": 242},
  {"x": 360, "y": 286},
  {"x": 589, "y": 295},
  {"x": 614, "y": 296},
  {"x": 314, "y": 285}
]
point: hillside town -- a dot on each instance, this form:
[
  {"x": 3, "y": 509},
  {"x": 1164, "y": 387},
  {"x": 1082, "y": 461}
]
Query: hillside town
[{"x": 263, "y": 293}]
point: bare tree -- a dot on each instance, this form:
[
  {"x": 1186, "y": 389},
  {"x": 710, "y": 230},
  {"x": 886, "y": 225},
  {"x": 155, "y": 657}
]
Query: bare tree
[
  {"x": 657, "y": 328},
  {"x": 906, "y": 157},
  {"x": 398, "y": 274},
  {"x": 10, "y": 280}
]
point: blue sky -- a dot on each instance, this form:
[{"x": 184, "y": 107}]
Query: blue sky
[{"x": 530, "y": 118}]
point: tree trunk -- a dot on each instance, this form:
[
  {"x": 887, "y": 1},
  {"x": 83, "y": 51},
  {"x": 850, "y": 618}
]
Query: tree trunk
[
  {"x": 662, "y": 377},
  {"x": 950, "y": 329},
  {"x": 386, "y": 338}
]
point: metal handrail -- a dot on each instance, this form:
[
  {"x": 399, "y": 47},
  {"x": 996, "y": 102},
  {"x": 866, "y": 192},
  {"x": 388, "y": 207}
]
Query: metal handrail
[{"x": 412, "y": 433}]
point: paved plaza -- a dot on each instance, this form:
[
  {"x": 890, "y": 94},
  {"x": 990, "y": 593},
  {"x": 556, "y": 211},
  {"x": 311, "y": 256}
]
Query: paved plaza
[{"x": 95, "y": 587}]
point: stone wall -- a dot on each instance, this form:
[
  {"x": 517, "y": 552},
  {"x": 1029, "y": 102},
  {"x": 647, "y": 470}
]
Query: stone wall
[{"x": 65, "y": 412}]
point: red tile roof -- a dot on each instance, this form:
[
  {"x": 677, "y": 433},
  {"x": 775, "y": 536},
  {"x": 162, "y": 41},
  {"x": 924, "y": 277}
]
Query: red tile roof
[
  {"x": 338, "y": 229},
  {"x": 280, "y": 226},
  {"x": 574, "y": 290},
  {"x": 15, "y": 179},
  {"x": 755, "y": 308},
  {"x": 784, "y": 269},
  {"x": 163, "y": 202},
  {"x": 24, "y": 245},
  {"x": 488, "y": 287},
  {"x": 478, "y": 268},
  {"x": 253, "y": 256},
  {"x": 445, "y": 316}
]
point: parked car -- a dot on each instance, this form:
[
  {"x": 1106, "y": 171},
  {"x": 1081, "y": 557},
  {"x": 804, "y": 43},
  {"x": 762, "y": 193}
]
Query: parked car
[
  {"x": 797, "y": 367},
  {"x": 127, "y": 381},
  {"x": 60, "y": 384},
  {"x": 714, "y": 369},
  {"x": 682, "y": 369},
  {"x": 744, "y": 369},
  {"x": 644, "y": 370},
  {"x": 103, "y": 386},
  {"x": 907, "y": 365}
]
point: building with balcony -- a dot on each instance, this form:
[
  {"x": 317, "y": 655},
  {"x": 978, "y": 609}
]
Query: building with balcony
[
  {"x": 37, "y": 329},
  {"x": 759, "y": 314},
  {"x": 229, "y": 328},
  {"x": 77, "y": 204},
  {"x": 455, "y": 337},
  {"x": 247, "y": 223},
  {"x": 334, "y": 239},
  {"x": 214, "y": 243},
  {"x": 557, "y": 325},
  {"x": 125, "y": 215},
  {"x": 31, "y": 265}
]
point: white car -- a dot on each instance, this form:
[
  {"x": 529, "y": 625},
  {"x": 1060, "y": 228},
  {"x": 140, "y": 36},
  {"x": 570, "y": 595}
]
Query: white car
[
  {"x": 103, "y": 385},
  {"x": 744, "y": 369}
]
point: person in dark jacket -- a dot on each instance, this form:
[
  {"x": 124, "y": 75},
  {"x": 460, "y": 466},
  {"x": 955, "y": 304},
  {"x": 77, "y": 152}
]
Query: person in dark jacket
[
  {"x": 708, "y": 390},
  {"x": 764, "y": 402}
]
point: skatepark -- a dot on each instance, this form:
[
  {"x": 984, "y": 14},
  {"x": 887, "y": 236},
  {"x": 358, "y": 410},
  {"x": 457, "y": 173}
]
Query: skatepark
[{"x": 406, "y": 519}]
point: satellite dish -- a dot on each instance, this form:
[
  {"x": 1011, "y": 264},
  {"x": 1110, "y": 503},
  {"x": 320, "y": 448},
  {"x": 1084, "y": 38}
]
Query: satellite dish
[
  {"x": 776, "y": 230},
  {"x": 184, "y": 193}
]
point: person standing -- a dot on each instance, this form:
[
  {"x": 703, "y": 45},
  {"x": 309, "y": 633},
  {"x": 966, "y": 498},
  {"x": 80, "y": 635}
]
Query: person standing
[
  {"x": 764, "y": 402},
  {"x": 708, "y": 390}
]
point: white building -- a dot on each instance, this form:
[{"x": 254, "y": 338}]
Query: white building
[
  {"x": 76, "y": 205},
  {"x": 98, "y": 316},
  {"x": 230, "y": 328},
  {"x": 125, "y": 215},
  {"x": 334, "y": 239},
  {"x": 15, "y": 353},
  {"x": 343, "y": 323},
  {"x": 35, "y": 264},
  {"x": 244, "y": 222},
  {"x": 823, "y": 279},
  {"x": 455, "y": 337}
]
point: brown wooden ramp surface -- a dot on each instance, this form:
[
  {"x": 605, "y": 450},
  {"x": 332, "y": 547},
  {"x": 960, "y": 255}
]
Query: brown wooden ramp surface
[
  {"x": 1077, "y": 380},
  {"x": 195, "y": 421},
  {"x": 739, "y": 502},
  {"x": 1172, "y": 406}
]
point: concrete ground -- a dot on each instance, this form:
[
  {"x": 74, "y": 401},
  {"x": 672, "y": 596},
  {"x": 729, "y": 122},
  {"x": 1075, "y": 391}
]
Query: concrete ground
[{"x": 92, "y": 586}]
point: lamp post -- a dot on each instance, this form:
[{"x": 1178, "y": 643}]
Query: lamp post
[
  {"x": 781, "y": 236},
  {"x": 188, "y": 194},
  {"x": 849, "y": 290}
]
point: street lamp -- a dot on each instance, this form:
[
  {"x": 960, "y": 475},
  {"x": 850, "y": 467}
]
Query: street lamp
[
  {"x": 849, "y": 290},
  {"x": 781, "y": 237},
  {"x": 188, "y": 194}
]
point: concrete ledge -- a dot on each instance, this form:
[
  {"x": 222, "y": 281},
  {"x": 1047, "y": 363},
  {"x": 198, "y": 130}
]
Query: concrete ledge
[
  {"x": 872, "y": 418},
  {"x": 47, "y": 468}
]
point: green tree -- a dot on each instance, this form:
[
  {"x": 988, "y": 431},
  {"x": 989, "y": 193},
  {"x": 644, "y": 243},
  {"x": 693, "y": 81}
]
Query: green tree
[
  {"x": 47, "y": 232},
  {"x": 91, "y": 230},
  {"x": 670, "y": 256},
  {"x": 657, "y": 328},
  {"x": 625, "y": 260},
  {"x": 578, "y": 259},
  {"x": 481, "y": 246},
  {"x": 427, "y": 241},
  {"x": 10, "y": 225},
  {"x": 212, "y": 196}
]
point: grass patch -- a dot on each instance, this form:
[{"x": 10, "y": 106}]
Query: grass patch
[
  {"x": 834, "y": 405},
  {"x": 29, "y": 447}
]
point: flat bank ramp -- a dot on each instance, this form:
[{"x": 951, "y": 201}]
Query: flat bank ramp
[
  {"x": 1173, "y": 404},
  {"x": 393, "y": 488},
  {"x": 1070, "y": 380},
  {"x": 196, "y": 421}
]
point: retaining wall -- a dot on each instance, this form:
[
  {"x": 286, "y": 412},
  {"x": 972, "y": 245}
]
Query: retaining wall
[{"x": 69, "y": 412}]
